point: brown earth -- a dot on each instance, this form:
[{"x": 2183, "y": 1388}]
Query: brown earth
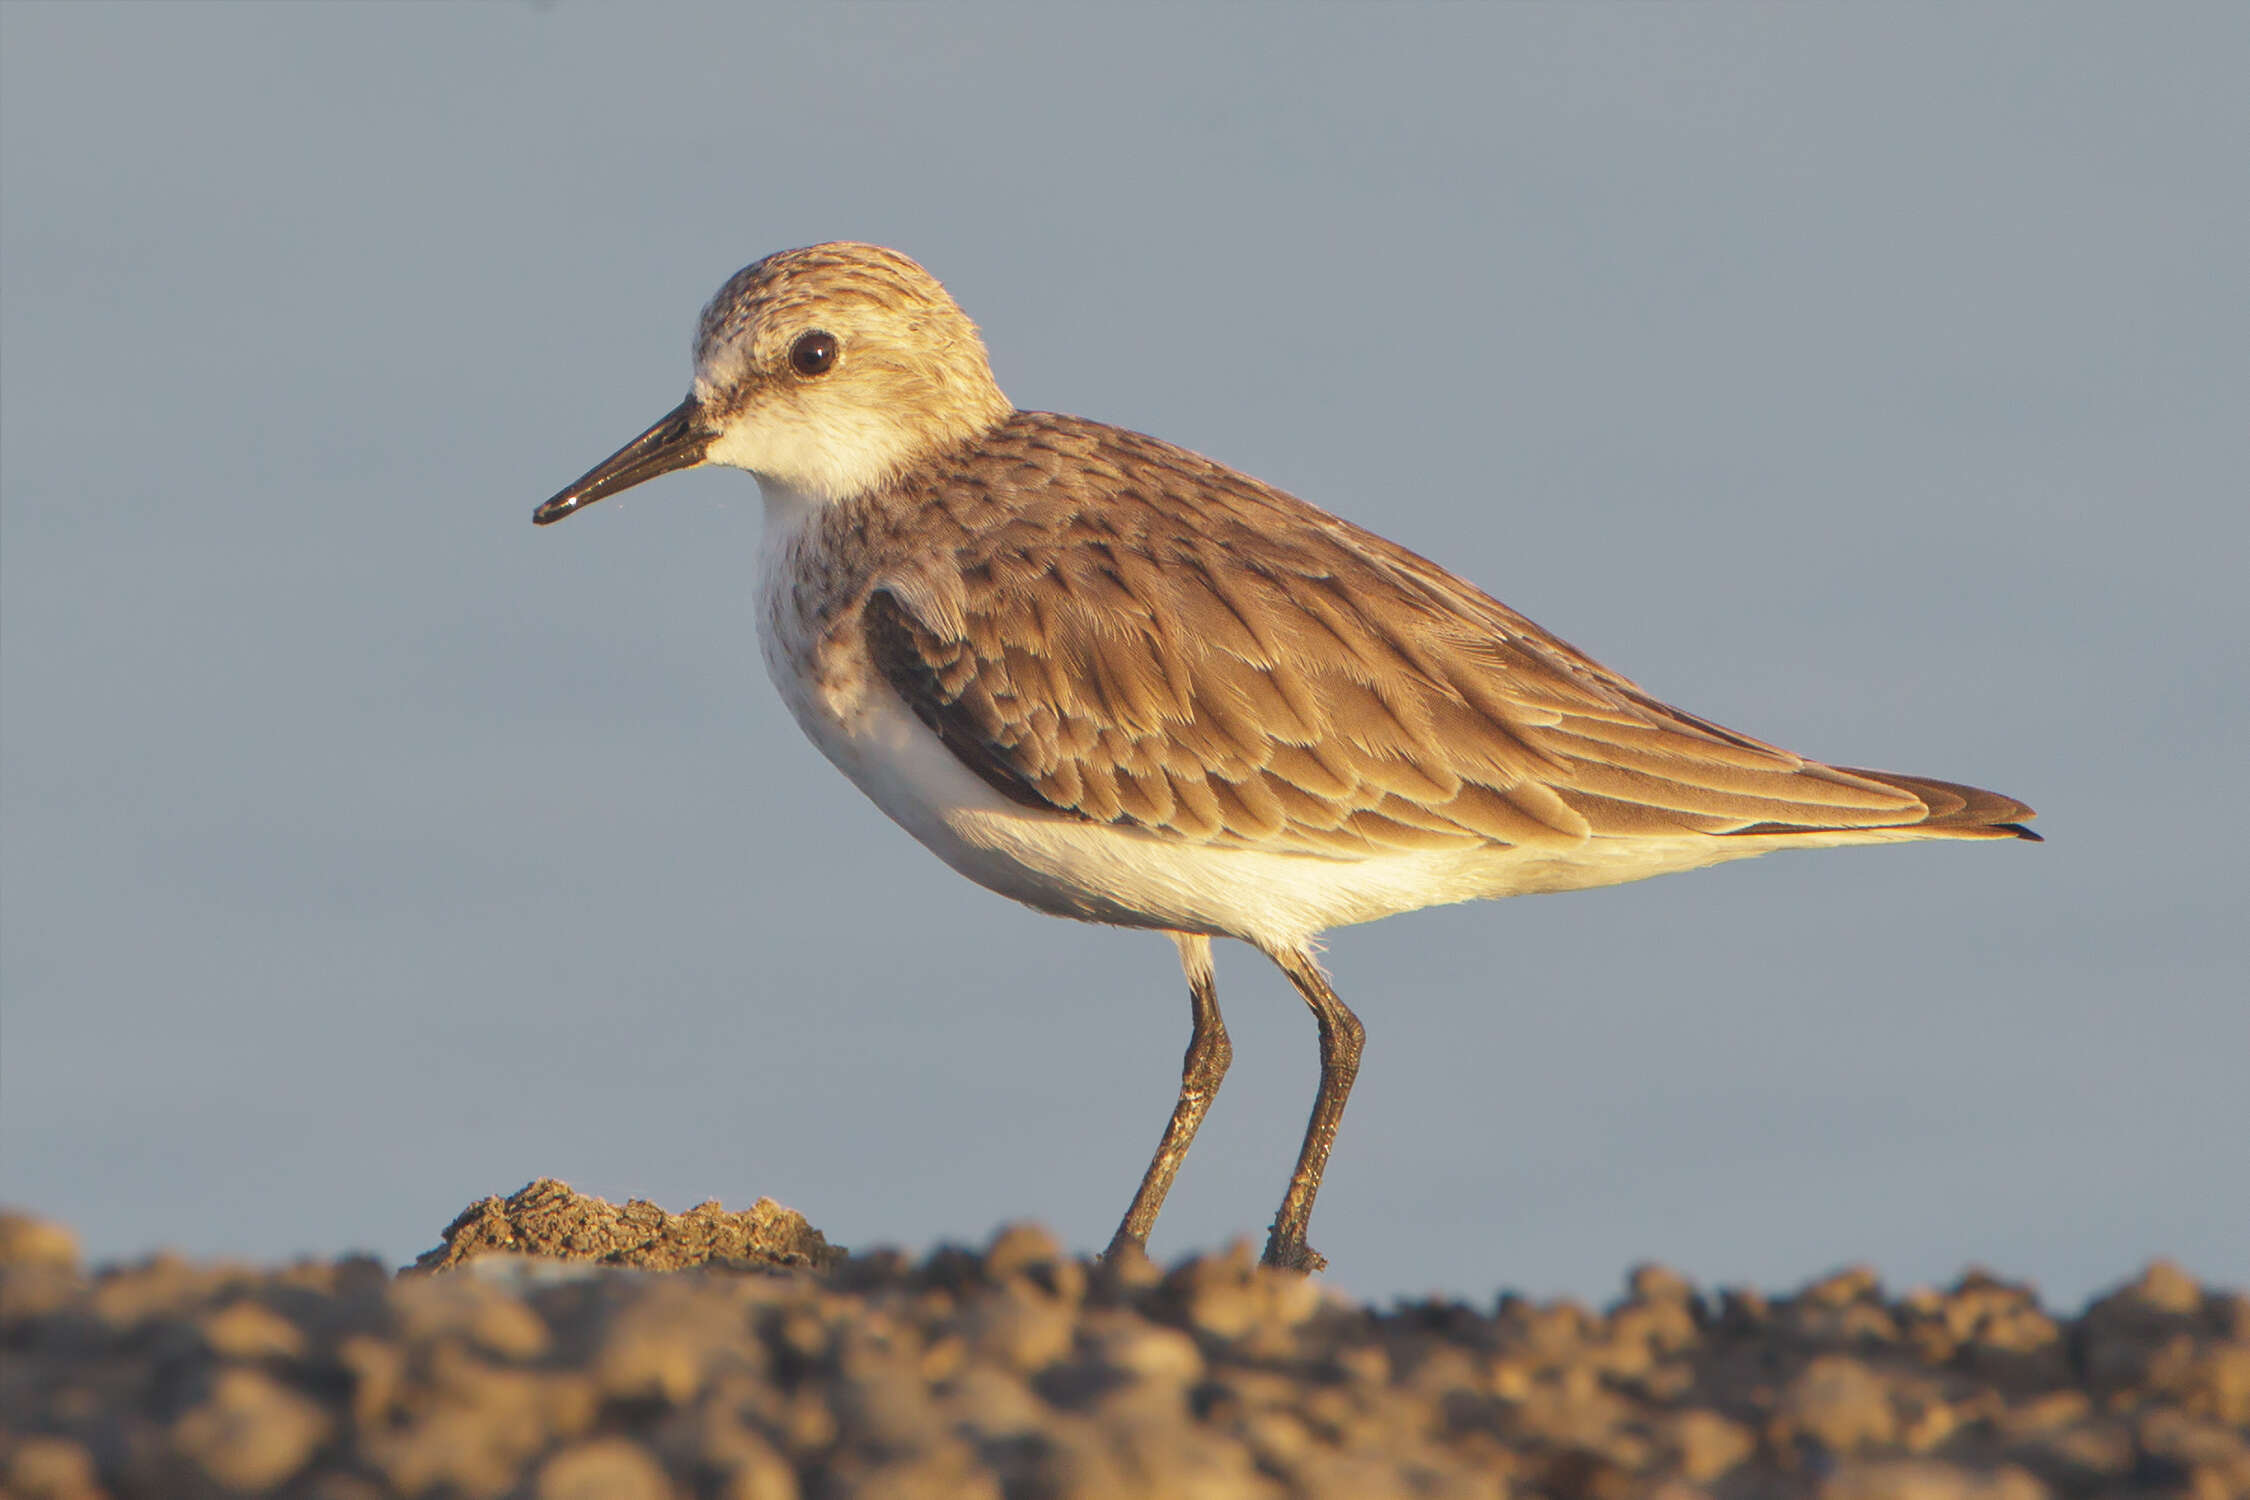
[
  {"x": 546, "y": 1218},
  {"x": 775, "y": 1367}
]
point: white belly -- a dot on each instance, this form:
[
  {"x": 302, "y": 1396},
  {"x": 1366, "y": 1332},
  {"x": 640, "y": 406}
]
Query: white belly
[{"x": 1102, "y": 872}]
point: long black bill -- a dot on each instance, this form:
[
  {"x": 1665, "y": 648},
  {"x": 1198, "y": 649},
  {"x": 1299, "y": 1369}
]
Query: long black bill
[{"x": 677, "y": 441}]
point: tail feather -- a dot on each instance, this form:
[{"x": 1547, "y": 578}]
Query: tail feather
[{"x": 1955, "y": 810}]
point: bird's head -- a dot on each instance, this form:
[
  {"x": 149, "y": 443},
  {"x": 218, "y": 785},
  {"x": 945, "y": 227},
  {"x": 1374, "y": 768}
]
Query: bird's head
[{"x": 825, "y": 372}]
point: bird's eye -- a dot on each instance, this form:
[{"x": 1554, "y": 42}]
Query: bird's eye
[{"x": 813, "y": 353}]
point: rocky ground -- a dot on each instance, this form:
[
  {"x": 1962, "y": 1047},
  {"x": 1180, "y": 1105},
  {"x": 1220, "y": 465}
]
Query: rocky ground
[{"x": 559, "y": 1348}]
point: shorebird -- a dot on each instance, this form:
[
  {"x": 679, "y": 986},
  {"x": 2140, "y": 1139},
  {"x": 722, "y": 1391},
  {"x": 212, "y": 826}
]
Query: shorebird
[{"x": 1118, "y": 681}]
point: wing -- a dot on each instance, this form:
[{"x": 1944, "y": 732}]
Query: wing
[{"x": 1154, "y": 640}]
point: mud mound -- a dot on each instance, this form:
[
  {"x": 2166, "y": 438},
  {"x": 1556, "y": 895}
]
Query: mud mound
[
  {"x": 1017, "y": 1372},
  {"x": 546, "y": 1218}
]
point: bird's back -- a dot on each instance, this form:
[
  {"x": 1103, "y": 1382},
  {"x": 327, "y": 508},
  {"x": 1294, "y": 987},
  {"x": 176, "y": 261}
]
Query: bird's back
[{"x": 1108, "y": 626}]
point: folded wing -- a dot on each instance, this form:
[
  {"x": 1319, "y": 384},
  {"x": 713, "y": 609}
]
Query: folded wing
[{"x": 1199, "y": 655}]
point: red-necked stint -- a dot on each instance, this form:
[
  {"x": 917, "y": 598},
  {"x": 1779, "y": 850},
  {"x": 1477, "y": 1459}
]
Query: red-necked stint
[{"x": 1117, "y": 681}]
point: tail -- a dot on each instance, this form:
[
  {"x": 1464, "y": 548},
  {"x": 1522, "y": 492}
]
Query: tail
[{"x": 1954, "y": 811}]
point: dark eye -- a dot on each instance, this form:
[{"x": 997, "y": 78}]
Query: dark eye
[{"x": 813, "y": 353}]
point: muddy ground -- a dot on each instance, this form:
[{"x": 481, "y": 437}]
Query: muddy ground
[{"x": 560, "y": 1348}]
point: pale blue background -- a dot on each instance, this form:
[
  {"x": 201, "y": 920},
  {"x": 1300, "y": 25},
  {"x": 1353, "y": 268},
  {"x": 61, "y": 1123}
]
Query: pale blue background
[{"x": 1872, "y": 378}]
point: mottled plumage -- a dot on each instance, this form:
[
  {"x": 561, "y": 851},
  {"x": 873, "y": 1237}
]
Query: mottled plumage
[
  {"x": 1120, "y": 629},
  {"x": 1117, "y": 680}
]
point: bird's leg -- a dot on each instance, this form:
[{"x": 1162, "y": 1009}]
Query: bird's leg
[
  {"x": 1341, "y": 1040},
  {"x": 1208, "y": 1054}
]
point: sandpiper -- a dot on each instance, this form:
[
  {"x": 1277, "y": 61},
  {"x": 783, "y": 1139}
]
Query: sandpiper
[{"x": 1118, "y": 681}]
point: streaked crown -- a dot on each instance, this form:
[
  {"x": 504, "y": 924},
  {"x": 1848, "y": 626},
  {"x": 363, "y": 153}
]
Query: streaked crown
[{"x": 829, "y": 370}]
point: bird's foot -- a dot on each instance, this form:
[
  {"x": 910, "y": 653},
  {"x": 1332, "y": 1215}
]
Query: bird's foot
[
  {"x": 1292, "y": 1255},
  {"x": 1125, "y": 1247}
]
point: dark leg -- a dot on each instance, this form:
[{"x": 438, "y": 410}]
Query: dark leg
[
  {"x": 1341, "y": 1040},
  {"x": 1208, "y": 1054}
]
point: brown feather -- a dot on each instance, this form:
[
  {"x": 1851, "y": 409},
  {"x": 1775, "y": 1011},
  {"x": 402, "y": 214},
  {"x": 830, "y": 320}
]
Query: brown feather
[{"x": 1233, "y": 666}]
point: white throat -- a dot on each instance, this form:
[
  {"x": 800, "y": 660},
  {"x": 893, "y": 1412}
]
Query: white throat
[
  {"x": 789, "y": 510},
  {"x": 834, "y": 454}
]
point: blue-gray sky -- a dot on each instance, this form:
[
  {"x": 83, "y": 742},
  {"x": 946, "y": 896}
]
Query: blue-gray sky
[{"x": 1873, "y": 379}]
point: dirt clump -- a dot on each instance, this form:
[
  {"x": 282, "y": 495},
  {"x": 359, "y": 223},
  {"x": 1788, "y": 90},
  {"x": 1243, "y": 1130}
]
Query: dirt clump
[{"x": 546, "y": 1218}]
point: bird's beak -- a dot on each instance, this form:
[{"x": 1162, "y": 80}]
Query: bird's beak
[{"x": 677, "y": 441}]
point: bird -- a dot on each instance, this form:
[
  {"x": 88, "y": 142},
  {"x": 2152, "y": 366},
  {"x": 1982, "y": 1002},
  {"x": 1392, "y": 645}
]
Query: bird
[{"x": 1118, "y": 681}]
